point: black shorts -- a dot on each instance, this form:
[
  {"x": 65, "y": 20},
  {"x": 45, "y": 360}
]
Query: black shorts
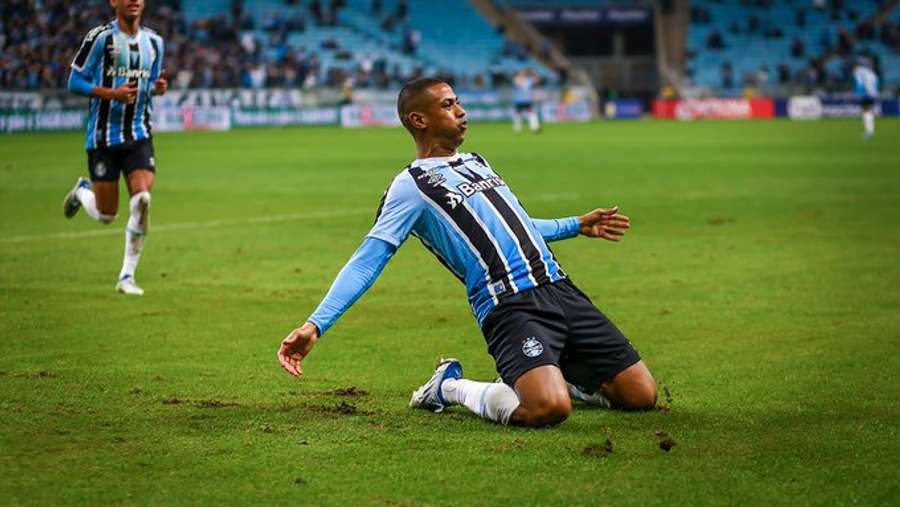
[
  {"x": 867, "y": 102},
  {"x": 105, "y": 164},
  {"x": 556, "y": 324},
  {"x": 521, "y": 107}
]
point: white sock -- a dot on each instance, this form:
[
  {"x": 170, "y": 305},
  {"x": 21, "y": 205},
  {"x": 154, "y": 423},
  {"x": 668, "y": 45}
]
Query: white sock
[
  {"x": 135, "y": 232},
  {"x": 533, "y": 123},
  {"x": 493, "y": 401},
  {"x": 517, "y": 121},
  {"x": 869, "y": 122},
  {"x": 89, "y": 203}
]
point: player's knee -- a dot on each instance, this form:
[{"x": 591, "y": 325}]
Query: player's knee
[
  {"x": 549, "y": 412},
  {"x": 641, "y": 396}
]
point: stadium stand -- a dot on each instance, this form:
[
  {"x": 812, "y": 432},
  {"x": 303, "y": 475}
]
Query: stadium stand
[
  {"x": 229, "y": 43},
  {"x": 762, "y": 44}
]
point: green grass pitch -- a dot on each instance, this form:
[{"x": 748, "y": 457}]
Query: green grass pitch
[{"x": 759, "y": 282}]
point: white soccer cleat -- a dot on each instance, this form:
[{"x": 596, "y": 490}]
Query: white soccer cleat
[
  {"x": 429, "y": 395},
  {"x": 596, "y": 399},
  {"x": 128, "y": 286},
  {"x": 71, "y": 204}
]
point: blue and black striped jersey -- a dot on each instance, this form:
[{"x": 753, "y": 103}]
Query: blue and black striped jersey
[
  {"x": 463, "y": 212},
  {"x": 108, "y": 57}
]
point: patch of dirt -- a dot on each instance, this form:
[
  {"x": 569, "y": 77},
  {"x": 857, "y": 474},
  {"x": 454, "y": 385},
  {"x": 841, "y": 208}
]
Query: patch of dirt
[
  {"x": 342, "y": 408},
  {"x": 348, "y": 391},
  {"x": 721, "y": 220},
  {"x": 175, "y": 400},
  {"x": 156, "y": 378},
  {"x": 666, "y": 443},
  {"x": 665, "y": 406},
  {"x": 598, "y": 450},
  {"x": 299, "y": 481},
  {"x": 215, "y": 404},
  {"x": 392, "y": 503},
  {"x": 510, "y": 446},
  {"x": 36, "y": 374},
  {"x": 136, "y": 391}
]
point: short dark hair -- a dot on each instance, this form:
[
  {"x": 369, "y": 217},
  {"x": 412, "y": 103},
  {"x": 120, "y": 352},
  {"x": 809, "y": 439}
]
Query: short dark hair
[{"x": 407, "y": 100}]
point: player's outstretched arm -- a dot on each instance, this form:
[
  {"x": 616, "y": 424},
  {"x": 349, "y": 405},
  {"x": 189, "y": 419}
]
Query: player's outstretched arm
[
  {"x": 604, "y": 223},
  {"x": 352, "y": 282},
  {"x": 600, "y": 223}
]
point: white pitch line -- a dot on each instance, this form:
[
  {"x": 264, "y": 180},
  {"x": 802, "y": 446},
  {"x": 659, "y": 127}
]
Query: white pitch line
[{"x": 224, "y": 222}]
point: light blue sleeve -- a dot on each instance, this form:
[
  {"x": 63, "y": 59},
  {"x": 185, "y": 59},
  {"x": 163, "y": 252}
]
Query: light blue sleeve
[
  {"x": 80, "y": 84},
  {"x": 557, "y": 229},
  {"x": 401, "y": 206},
  {"x": 352, "y": 282},
  {"x": 85, "y": 63},
  {"x": 157, "y": 67}
]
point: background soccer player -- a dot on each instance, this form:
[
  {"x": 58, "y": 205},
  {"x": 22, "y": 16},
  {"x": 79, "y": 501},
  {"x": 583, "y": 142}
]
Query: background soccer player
[
  {"x": 523, "y": 100},
  {"x": 546, "y": 337},
  {"x": 866, "y": 88},
  {"x": 119, "y": 65}
]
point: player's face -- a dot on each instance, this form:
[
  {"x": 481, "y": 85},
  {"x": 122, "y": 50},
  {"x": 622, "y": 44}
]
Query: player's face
[
  {"x": 445, "y": 115},
  {"x": 128, "y": 9}
]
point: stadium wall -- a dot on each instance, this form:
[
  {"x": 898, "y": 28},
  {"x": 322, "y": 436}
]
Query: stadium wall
[
  {"x": 797, "y": 108},
  {"x": 227, "y": 109}
]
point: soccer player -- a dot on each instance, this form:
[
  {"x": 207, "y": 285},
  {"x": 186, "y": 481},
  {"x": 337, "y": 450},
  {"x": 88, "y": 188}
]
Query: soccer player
[
  {"x": 866, "y": 88},
  {"x": 523, "y": 101},
  {"x": 119, "y": 65},
  {"x": 549, "y": 342}
]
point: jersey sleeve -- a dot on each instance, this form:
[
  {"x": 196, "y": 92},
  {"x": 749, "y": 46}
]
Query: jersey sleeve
[
  {"x": 352, "y": 282},
  {"x": 400, "y": 208},
  {"x": 90, "y": 52},
  {"x": 159, "y": 48},
  {"x": 557, "y": 229}
]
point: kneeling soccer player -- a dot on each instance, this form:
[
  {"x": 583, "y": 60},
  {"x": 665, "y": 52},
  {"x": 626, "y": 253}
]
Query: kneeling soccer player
[
  {"x": 550, "y": 343},
  {"x": 119, "y": 65}
]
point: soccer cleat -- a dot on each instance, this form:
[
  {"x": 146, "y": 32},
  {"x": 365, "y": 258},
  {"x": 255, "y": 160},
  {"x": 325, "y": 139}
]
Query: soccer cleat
[
  {"x": 128, "y": 286},
  {"x": 429, "y": 395},
  {"x": 596, "y": 399},
  {"x": 71, "y": 204}
]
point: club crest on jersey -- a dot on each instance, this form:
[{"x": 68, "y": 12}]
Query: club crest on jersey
[
  {"x": 454, "y": 200},
  {"x": 434, "y": 178},
  {"x": 470, "y": 188},
  {"x": 532, "y": 347}
]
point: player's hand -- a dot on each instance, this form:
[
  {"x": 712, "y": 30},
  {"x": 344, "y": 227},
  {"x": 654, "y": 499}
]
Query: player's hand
[
  {"x": 603, "y": 223},
  {"x": 161, "y": 86},
  {"x": 296, "y": 346},
  {"x": 126, "y": 93}
]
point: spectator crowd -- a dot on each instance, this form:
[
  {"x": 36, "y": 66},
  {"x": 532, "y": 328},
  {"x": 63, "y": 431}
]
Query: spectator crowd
[
  {"x": 828, "y": 63},
  {"x": 39, "y": 38}
]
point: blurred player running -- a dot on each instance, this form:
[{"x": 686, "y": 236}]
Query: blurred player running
[
  {"x": 866, "y": 88},
  {"x": 119, "y": 65},
  {"x": 549, "y": 342},
  {"x": 523, "y": 101}
]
